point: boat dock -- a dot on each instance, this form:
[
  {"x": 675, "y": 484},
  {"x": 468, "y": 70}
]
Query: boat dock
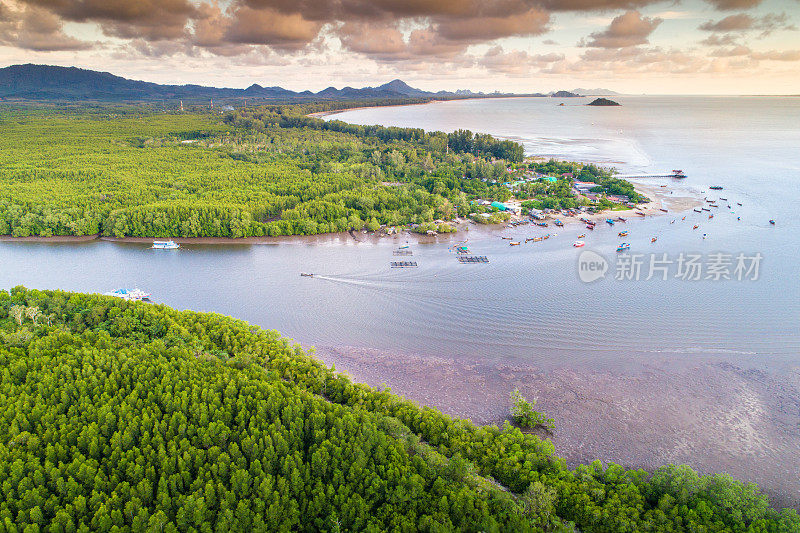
[
  {"x": 674, "y": 174},
  {"x": 473, "y": 259},
  {"x": 403, "y": 264}
]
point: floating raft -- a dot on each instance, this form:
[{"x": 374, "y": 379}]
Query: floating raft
[
  {"x": 403, "y": 264},
  {"x": 473, "y": 259},
  {"x": 403, "y": 252}
]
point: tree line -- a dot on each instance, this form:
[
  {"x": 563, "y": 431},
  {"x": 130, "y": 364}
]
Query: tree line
[{"x": 121, "y": 416}]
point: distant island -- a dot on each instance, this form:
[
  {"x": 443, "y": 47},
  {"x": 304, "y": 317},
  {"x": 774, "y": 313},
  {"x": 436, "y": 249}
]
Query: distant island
[
  {"x": 565, "y": 94},
  {"x": 603, "y": 102}
]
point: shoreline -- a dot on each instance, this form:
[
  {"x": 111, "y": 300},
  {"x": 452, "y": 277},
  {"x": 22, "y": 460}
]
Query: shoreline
[
  {"x": 658, "y": 200},
  {"x": 718, "y": 415}
]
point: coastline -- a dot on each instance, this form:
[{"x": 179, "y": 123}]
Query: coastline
[
  {"x": 715, "y": 414},
  {"x": 659, "y": 199}
]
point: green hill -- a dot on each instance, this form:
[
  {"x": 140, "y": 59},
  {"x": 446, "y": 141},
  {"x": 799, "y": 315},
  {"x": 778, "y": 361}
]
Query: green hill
[{"x": 125, "y": 416}]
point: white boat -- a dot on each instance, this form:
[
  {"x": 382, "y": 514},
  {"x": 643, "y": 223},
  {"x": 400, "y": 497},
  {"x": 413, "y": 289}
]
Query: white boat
[
  {"x": 165, "y": 245},
  {"x": 578, "y": 244},
  {"x": 132, "y": 295}
]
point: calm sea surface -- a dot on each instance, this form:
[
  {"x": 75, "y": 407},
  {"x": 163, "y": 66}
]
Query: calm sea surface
[{"x": 527, "y": 303}]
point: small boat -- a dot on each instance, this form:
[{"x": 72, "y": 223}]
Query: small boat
[
  {"x": 621, "y": 219},
  {"x": 537, "y": 239},
  {"x": 738, "y": 203},
  {"x": 696, "y": 211},
  {"x": 582, "y": 235},
  {"x": 403, "y": 247},
  {"x": 610, "y": 221},
  {"x": 663, "y": 186},
  {"x": 624, "y": 246},
  {"x": 578, "y": 244},
  {"x": 705, "y": 209},
  {"x": 131, "y": 295},
  {"x": 622, "y": 233},
  {"x": 723, "y": 199},
  {"x": 506, "y": 238},
  {"x": 695, "y": 226},
  {"x": 558, "y": 223},
  {"x": 684, "y": 218},
  {"x": 514, "y": 243},
  {"x": 772, "y": 222},
  {"x": 715, "y": 187},
  {"x": 654, "y": 239},
  {"x": 711, "y": 215},
  {"x": 640, "y": 213},
  {"x": 304, "y": 274},
  {"x": 590, "y": 226},
  {"x": 542, "y": 224},
  {"x": 165, "y": 245},
  {"x": 672, "y": 222},
  {"x": 705, "y": 235},
  {"x": 661, "y": 209}
]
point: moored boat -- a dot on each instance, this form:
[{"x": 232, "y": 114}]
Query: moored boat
[
  {"x": 622, "y": 233},
  {"x": 514, "y": 243},
  {"x": 654, "y": 239},
  {"x": 307, "y": 275},
  {"x": 772, "y": 222},
  {"x": 132, "y": 295},
  {"x": 610, "y": 221},
  {"x": 624, "y": 246},
  {"x": 716, "y": 187},
  {"x": 695, "y": 226},
  {"x": 558, "y": 223},
  {"x": 165, "y": 245},
  {"x": 582, "y": 235},
  {"x": 578, "y": 244}
]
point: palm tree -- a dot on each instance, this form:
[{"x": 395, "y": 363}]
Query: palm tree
[
  {"x": 33, "y": 313},
  {"x": 18, "y": 313}
]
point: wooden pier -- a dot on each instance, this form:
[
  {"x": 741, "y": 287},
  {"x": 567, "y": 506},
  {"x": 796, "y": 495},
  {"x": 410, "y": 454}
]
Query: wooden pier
[
  {"x": 469, "y": 259},
  {"x": 673, "y": 174}
]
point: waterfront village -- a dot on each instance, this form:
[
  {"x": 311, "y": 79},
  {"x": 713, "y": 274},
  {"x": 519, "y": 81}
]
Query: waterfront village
[{"x": 534, "y": 190}]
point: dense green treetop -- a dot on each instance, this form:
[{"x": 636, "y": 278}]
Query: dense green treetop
[{"x": 123, "y": 416}]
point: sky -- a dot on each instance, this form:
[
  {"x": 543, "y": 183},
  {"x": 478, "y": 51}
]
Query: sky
[{"x": 523, "y": 46}]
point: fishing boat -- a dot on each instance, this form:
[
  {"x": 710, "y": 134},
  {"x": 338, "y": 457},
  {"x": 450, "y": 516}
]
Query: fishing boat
[
  {"x": 621, "y": 219},
  {"x": 623, "y": 233},
  {"x": 542, "y": 224},
  {"x": 165, "y": 245},
  {"x": 654, "y": 239},
  {"x": 578, "y": 244},
  {"x": 610, "y": 221},
  {"x": 582, "y": 235},
  {"x": 738, "y": 203},
  {"x": 772, "y": 222},
  {"x": 695, "y": 226},
  {"x": 705, "y": 209},
  {"x": 514, "y": 243},
  {"x": 678, "y": 174},
  {"x": 546, "y": 236},
  {"x": 307, "y": 275},
  {"x": 697, "y": 210},
  {"x": 684, "y": 218},
  {"x": 716, "y": 187},
  {"x": 131, "y": 295},
  {"x": 558, "y": 223},
  {"x": 590, "y": 226},
  {"x": 624, "y": 246},
  {"x": 537, "y": 239},
  {"x": 723, "y": 199},
  {"x": 506, "y": 238},
  {"x": 661, "y": 209},
  {"x": 640, "y": 213}
]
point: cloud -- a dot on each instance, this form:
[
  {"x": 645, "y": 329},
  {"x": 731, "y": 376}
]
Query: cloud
[
  {"x": 128, "y": 19},
  {"x": 735, "y": 51},
  {"x": 270, "y": 27},
  {"x": 33, "y": 28},
  {"x": 743, "y": 22},
  {"x": 516, "y": 62},
  {"x": 628, "y": 29},
  {"x": 730, "y": 5},
  {"x": 720, "y": 40},
  {"x": 778, "y": 55}
]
